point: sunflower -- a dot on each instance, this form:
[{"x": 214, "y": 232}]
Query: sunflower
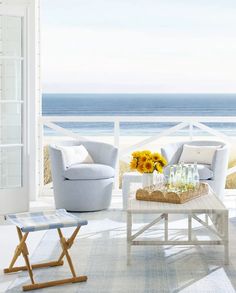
[
  {"x": 163, "y": 162},
  {"x": 148, "y": 166},
  {"x": 159, "y": 168},
  {"x": 136, "y": 154},
  {"x": 147, "y": 153},
  {"x": 143, "y": 158},
  {"x": 140, "y": 168},
  {"x": 146, "y": 162},
  {"x": 156, "y": 157},
  {"x": 133, "y": 164}
]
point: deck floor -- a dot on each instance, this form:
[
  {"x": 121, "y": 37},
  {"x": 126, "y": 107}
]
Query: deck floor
[{"x": 8, "y": 236}]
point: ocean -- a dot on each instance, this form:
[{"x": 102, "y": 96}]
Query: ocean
[{"x": 138, "y": 105}]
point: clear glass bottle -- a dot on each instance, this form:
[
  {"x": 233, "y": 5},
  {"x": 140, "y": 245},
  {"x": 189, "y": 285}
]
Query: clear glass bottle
[
  {"x": 190, "y": 177},
  {"x": 178, "y": 174},
  {"x": 184, "y": 178},
  {"x": 172, "y": 178},
  {"x": 195, "y": 175}
]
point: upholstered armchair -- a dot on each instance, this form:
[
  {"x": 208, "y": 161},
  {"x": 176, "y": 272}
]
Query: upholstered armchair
[
  {"x": 83, "y": 186},
  {"x": 214, "y": 174}
]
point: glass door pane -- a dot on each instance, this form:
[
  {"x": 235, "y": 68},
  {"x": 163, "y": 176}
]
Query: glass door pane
[
  {"x": 11, "y": 79},
  {"x": 14, "y": 185},
  {"x": 10, "y": 123},
  {"x": 11, "y": 102},
  {"x": 11, "y": 35},
  {"x": 10, "y": 167}
]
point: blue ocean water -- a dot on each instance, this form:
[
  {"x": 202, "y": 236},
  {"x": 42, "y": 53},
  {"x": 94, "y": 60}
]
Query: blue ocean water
[{"x": 138, "y": 105}]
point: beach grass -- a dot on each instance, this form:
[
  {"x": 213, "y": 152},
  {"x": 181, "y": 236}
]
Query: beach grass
[
  {"x": 231, "y": 179},
  {"x": 124, "y": 167},
  {"x": 47, "y": 166}
]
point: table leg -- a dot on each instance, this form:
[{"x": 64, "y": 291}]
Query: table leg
[
  {"x": 189, "y": 227},
  {"x": 206, "y": 218},
  {"x": 125, "y": 192},
  {"x": 166, "y": 227},
  {"x": 129, "y": 234},
  {"x": 226, "y": 238}
]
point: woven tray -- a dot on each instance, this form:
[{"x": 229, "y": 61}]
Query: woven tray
[{"x": 172, "y": 197}]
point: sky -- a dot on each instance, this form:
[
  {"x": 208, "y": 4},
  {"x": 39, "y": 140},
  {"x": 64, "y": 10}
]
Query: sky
[{"x": 138, "y": 46}]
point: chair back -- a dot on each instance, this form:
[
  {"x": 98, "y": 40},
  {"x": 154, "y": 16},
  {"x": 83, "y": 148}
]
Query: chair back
[
  {"x": 173, "y": 151},
  {"x": 101, "y": 153}
]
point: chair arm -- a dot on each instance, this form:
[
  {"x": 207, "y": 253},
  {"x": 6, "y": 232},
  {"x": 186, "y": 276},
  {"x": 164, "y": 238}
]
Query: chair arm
[
  {"x": 58, "y": 165},
  {"x": 220, "y": 163}
]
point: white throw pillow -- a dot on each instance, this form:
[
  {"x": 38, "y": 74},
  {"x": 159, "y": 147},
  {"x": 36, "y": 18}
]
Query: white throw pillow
[
  {"x": 199, "y": 154},
  {"x": 75, "y": 155}
]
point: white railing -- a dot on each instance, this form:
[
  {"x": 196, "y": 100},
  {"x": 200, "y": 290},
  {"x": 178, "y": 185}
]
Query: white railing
[{"x": 181, "y": 122}]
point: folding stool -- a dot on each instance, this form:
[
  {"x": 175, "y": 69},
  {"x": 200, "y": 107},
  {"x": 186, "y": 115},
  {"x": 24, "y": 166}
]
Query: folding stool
[{"x": 30, "y": 222}]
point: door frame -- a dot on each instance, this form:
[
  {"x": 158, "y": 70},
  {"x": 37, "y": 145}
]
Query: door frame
[{"x": 28, "y": 11}]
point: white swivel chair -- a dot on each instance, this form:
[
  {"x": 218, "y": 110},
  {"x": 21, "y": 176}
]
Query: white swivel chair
[
  {"x": 214, "y": 174},
  {"x": 84, "y": 187}
]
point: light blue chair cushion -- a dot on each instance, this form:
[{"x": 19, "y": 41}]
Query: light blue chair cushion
[
  {"x": 204, "y": 171},
  {"x": 89, "y": 172}
]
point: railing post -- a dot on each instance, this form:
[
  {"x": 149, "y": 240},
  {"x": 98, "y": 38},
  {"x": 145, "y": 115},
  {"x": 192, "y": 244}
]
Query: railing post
[
  {"x": 191, "y": 131},
  {"x": 117, "y": 144}
]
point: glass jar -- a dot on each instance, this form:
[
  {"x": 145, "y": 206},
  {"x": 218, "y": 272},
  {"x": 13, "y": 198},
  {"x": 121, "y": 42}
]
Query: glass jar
[{"x": 147, "y": 180}]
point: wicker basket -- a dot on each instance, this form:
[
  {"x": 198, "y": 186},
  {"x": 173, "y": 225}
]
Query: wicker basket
[{"x": 172, "y": 197}]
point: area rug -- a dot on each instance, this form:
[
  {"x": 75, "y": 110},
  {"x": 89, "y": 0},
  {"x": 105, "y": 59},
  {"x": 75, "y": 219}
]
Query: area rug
[{"x": 100, "y": 253}]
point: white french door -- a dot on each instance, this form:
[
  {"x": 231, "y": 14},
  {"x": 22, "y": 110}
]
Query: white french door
[{"x": 13, "y": 111}]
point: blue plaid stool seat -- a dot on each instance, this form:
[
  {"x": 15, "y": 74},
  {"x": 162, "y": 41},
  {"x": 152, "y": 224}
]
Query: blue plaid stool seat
[{"x": 31, "y": 222}]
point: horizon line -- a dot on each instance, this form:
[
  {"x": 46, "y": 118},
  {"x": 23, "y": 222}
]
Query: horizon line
[{"x": 134, "y": 93}]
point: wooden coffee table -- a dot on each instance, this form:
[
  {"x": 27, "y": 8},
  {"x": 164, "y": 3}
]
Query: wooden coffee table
[{"x": 215, "y": 220}]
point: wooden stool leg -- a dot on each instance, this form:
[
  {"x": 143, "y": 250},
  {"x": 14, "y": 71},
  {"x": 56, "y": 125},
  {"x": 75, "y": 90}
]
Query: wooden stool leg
[
  {"x": 69, "y": 242},
  {"x": 65, "y": 247},
  {"x": 34, "y": 266},
  {"x": 70, "y": 264},
  {"x": 22, "y": 249},
  {"x": 28, "y": 265},
  {"x": 18, "y": 250},
  {"x": 25, "y": 254}
]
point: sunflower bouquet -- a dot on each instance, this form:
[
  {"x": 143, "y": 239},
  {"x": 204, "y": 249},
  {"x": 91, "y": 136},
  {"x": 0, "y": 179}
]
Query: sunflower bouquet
[{"x": 147, "y": 162}]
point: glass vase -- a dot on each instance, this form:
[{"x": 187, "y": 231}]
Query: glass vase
[{"x": 147, "y": 180}]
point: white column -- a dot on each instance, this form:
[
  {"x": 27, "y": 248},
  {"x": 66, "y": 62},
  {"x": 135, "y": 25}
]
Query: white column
[{"x": 34, "y": 103}]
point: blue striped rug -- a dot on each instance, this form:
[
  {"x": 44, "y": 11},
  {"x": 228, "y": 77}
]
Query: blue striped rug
[{"x": 100, "y": 253}]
